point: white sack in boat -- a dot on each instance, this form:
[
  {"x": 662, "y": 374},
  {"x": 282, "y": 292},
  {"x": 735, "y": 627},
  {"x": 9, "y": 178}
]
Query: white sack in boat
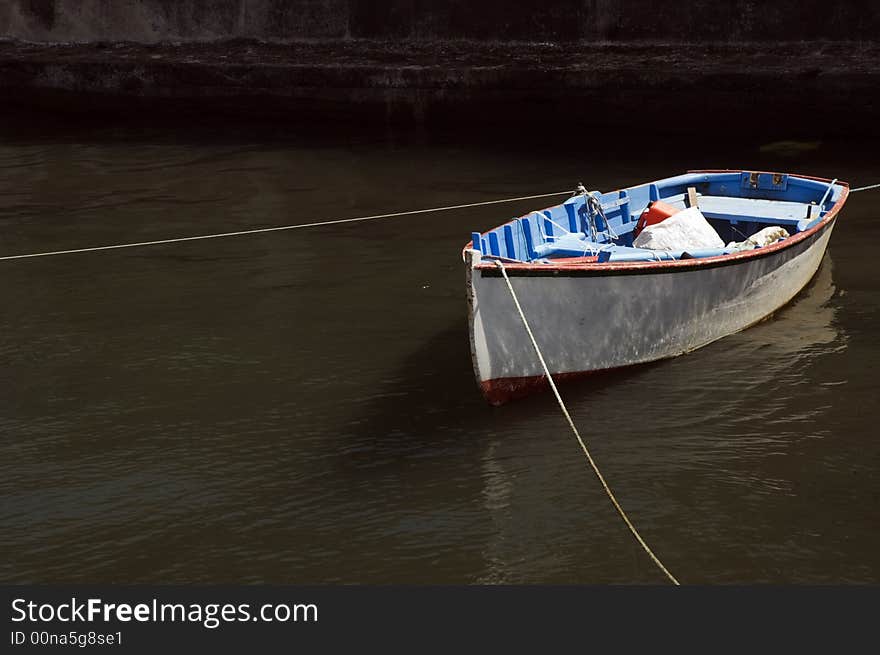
[
  {"x": 684, "y": 230},
  {"x": 765, "y": 237}
]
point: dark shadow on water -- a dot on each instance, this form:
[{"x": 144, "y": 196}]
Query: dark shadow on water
[
  {"x": 428, "y": 401},
  {"x": 433, "y": 401},
  {"x": 808, "y": 153}
]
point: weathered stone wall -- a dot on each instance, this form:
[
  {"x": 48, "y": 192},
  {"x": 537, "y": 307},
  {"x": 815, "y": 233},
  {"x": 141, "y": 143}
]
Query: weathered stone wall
[
  {"x": 503, "y": 20},
  {"x": 747, "y": 65},
  {"x": 172, "y": 20}
]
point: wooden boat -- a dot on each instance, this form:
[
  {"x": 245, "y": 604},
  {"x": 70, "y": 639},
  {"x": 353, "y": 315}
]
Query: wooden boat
[{"x": 595, "y": 302}]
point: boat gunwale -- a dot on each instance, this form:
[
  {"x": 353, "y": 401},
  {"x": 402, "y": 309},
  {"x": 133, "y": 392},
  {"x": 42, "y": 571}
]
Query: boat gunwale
[{"x": 516, "y": 268}]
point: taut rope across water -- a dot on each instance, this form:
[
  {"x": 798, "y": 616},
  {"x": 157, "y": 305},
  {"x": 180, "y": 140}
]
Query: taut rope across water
[{"x": 262, "y": 230}]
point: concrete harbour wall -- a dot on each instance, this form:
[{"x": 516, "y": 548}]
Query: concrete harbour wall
[
  {"x": 701, "y": 21},
  {"x": 735, "y": 67}
]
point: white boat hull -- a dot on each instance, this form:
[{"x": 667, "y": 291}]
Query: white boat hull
[{"x": 587, "y": 320}]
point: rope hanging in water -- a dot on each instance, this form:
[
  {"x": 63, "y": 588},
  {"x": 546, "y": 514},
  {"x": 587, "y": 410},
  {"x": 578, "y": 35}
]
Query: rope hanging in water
[{"x": 577, "y": 434}]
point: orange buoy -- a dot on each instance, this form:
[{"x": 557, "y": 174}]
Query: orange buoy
[{"x": 657, "y": 211}]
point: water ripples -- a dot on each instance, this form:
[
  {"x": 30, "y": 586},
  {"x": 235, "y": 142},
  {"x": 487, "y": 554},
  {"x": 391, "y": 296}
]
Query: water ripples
[{"x": 302, "y": 409}]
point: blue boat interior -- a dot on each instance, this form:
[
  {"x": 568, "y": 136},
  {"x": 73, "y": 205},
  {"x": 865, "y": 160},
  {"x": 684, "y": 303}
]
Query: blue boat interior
[{"x": 737, "y": 204}]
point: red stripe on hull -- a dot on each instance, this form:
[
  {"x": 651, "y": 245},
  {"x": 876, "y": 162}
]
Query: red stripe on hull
[{"x": 504, "y": 390}]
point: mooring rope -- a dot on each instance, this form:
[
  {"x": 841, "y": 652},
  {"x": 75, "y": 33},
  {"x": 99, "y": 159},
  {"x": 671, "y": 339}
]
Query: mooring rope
[
  {"x": 577, "y": 434},
  {"x": 865, "y": 188},
  {"x": 279, "y": 228}
]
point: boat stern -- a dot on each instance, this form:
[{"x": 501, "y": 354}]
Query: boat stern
[{"x": 476, "y": 333}]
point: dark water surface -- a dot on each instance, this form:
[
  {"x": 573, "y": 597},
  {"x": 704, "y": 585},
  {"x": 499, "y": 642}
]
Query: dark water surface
[{"x": 299, "y": 407}]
